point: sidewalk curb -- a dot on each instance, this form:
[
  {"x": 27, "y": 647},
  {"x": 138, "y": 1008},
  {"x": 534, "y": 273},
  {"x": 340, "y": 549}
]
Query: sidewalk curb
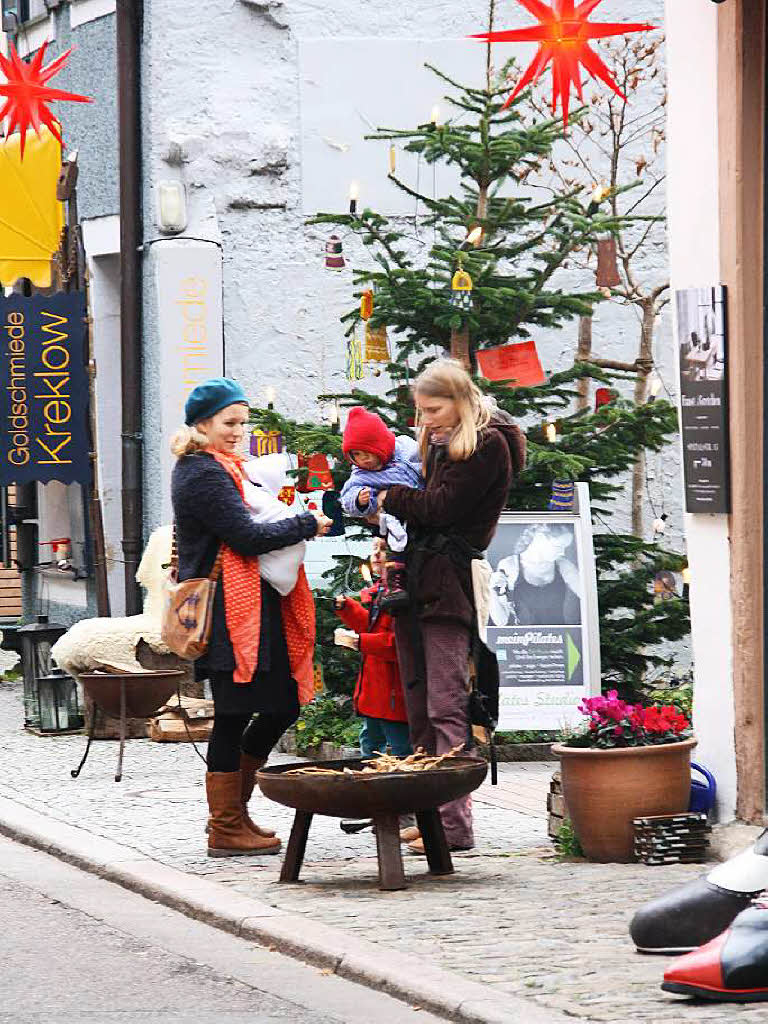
[{"x": 405, "y": 977}]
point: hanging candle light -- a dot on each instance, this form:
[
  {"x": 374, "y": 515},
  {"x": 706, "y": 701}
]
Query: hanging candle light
[
  {"x": 334, "y": 254},
  {"x": 461, "y": 290}
]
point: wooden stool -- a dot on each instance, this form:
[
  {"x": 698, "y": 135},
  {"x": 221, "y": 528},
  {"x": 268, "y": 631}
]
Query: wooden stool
[{"x": 388, "y": 847}]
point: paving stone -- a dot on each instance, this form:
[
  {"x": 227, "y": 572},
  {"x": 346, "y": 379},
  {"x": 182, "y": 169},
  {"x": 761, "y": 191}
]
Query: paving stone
[{"x": 513, "y": 917}]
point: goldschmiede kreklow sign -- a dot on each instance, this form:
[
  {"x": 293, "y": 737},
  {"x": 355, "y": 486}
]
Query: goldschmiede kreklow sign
[{"x": 44, "y": 394}]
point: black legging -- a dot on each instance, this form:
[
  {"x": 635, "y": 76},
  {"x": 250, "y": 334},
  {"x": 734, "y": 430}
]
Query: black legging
[{"x": 254, "y": 736}]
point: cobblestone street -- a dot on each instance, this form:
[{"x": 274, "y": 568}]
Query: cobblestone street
[{"x": 513, "y": 916}]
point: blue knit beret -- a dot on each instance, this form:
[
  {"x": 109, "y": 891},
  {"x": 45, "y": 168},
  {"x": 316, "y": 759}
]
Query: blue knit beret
[{"x": 211, "y": 397}]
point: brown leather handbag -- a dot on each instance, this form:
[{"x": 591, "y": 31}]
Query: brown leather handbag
[{"x": 188, "y": 609}]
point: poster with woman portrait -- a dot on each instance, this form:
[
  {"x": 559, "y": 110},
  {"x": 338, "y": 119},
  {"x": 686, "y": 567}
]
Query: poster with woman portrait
[{"x": 542, "y": 622}]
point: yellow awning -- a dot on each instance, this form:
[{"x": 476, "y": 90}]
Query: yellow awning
[{"x": 31, "y": 217}]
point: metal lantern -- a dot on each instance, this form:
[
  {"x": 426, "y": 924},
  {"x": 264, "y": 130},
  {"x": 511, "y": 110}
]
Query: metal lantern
[{"x": 50, "y": 696}]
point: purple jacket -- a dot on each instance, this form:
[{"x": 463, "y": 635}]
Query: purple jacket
[{"x": 403, "y": 468}]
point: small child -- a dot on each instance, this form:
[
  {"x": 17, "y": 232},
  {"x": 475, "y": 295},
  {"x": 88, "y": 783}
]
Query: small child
[
  {"x": 265, "y": 477},
  {"x": 379, "y": 460},
  {"x": 379, "y": 693}
]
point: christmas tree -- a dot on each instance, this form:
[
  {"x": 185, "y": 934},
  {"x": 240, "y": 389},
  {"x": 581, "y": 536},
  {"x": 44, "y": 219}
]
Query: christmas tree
[{"x": 507, "y": 238}]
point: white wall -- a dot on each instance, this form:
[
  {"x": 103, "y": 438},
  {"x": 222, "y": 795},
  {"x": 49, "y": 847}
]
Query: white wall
[
  {"x": 269, "y": 128},
  {"x": 692, "y": 196},
  {"x": 101, "y": 237}
]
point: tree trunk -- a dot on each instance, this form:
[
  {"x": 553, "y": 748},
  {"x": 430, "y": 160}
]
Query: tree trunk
[
  {"x": 644, "y": 367},
  {"x": 583, "y": 353},
  {"x": 460, "y": 347}
]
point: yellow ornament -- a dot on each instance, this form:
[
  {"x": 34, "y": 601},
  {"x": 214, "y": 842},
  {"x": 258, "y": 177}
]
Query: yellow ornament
[
  {"x": 376, "y": 344},
  {"x": 461, "y": 289}
]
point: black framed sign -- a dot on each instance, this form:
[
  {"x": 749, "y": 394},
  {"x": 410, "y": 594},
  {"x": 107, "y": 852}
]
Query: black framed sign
[
  {"x": 44, "y": 394},
  {"x": 702, "y": 346}
]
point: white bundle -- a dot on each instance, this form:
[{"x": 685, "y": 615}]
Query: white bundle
[{"x": 267, "y": 475}]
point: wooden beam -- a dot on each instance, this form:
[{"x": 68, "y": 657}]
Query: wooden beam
[{"x": 741, "y": 113}]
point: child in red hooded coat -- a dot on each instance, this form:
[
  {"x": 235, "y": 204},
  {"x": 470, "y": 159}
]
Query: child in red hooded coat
[{"x": 379, "y": 692}]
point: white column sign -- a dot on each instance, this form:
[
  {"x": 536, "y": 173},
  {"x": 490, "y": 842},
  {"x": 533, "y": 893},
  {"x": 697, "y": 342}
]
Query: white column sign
[{"x": 188, "y": 282}]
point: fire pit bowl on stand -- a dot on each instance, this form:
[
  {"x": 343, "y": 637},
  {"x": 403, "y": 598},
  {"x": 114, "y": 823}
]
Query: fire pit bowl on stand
[
  {"x": 124, "y": 694},
  {"x": 381, "y": 796}
]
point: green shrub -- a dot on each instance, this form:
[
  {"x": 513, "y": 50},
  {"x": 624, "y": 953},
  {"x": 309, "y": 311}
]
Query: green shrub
[
  {"x": 567, "y": 843},
  {"x": 327, "y": 720}
]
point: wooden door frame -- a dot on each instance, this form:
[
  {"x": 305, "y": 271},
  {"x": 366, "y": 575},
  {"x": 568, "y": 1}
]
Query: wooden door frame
[{"x": 741, "y": 117}]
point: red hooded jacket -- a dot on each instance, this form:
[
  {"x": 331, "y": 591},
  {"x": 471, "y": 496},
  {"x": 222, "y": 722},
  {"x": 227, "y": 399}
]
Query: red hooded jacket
[{"x": 379, "y": 692}]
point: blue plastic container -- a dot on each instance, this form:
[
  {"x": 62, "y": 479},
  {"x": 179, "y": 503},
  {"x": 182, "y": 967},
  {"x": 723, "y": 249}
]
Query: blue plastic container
[{"x": 703, "y": 794}]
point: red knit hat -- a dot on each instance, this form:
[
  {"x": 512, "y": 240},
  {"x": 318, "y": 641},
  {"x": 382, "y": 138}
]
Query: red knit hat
[{"x": 366, "y": 432}]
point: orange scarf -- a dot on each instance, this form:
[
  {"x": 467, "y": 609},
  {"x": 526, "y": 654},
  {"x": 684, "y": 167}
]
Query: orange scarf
[{"x": 242, "y": 607}]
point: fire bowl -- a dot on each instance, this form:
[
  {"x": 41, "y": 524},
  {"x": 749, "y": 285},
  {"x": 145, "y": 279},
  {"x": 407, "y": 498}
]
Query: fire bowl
[
  {"x": 145, "y": 692},
  {"x": 372, "y": 795}
]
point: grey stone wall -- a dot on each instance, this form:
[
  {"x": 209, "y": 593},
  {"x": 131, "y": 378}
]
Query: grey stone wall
[{"x": 90, "y": 128}]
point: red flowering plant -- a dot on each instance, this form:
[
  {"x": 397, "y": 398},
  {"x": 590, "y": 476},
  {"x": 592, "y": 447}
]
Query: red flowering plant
[{"x": 612, "y": 722}]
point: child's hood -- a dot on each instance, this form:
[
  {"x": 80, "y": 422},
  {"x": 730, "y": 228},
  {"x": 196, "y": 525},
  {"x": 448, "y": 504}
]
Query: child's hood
[{"x": 268, "y": 471}]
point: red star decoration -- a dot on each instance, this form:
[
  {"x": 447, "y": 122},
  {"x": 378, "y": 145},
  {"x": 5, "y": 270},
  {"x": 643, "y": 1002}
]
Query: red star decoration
[
  {"x": 27, "y": 96},
  {"x": 563, "y": 35}
]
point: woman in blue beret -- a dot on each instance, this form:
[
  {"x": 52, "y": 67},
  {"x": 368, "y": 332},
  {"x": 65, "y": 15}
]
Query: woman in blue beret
[{"x": 260, "y": 651}]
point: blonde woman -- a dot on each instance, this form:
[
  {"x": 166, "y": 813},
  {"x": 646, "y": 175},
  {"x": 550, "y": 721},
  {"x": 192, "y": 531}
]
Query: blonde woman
[
  {"x": 259, "y": 659},
  {"x": 471, "y": 453}
]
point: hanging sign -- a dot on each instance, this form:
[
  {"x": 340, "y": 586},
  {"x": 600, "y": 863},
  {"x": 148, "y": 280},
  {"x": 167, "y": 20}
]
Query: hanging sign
[
  {"x": 44, "y": 393},
  {"x": 518, "y": 363},
  {"x": 701, "y": 338},
  {"x": 543, "y": 618}
]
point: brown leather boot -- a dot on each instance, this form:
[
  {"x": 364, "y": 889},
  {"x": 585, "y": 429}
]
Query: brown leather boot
[
  {"x": 228, "y": 835},
  {"x": 248, "y": 768}
]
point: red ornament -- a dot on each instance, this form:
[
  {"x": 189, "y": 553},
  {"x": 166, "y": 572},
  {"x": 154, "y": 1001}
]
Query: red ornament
[
  {"x": 603, "y": 396},
  {"x": 27, "y": 96},
  {"x": 318, "y": 476},
  {"x": 563, "y": 35}
]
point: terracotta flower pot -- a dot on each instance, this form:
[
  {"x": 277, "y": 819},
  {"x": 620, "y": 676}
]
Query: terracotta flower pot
[{"x": 605, "y": 789}]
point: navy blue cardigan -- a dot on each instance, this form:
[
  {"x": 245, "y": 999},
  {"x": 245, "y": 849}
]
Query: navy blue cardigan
[{"x": 208, "y": 509}]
